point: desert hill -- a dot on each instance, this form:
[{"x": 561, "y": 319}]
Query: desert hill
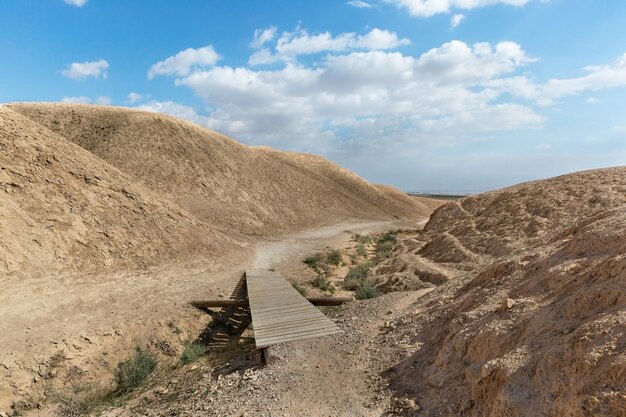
[
  {"x": 64, "y": 209},
  {"x": 529, "y": 313},
  {"x": 92, "y": 186},
  {"x": 463, "y": 235},
  {"x": 239, "y": 189}
]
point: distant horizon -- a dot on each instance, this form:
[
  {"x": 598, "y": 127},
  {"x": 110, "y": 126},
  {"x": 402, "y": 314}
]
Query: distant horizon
[{"x": 420, "y": 95}]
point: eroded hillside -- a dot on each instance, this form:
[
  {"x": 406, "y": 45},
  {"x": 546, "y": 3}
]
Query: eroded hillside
[
  {"x": 529, "y": 313},
  {"x": 240, "y": 189},
  {"x": 63, "y": 209}
]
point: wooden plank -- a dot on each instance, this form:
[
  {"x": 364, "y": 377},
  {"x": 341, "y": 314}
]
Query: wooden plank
[
  {"x": 227, "y": 302},
  {"x": 280, "y": 313}
]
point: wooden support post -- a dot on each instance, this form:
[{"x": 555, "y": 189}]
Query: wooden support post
[{"x": 267, "y": 357}]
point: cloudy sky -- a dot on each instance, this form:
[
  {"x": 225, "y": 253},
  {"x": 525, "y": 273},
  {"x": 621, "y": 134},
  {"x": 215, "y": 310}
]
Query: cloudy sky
[{"x": 427, "y": 95}]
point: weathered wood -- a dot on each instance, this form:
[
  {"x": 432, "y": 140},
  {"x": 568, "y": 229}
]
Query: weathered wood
[
  {"x": 220, "y": 303},
  {"x": 224, "y": 303},
  {"x": 267, "y": 356},
  {"x": 280, "y": 313},
  {"x": 232, "y": 321}
]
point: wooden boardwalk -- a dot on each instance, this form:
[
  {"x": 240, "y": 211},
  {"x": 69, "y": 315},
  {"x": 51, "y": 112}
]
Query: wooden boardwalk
[{"x": 280, "y": 314}]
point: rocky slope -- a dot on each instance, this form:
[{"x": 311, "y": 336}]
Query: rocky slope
[{"x": 531, "y": 317}]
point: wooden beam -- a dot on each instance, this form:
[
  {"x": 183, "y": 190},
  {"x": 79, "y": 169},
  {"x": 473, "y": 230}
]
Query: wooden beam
[{"x": 224, "y": 303}]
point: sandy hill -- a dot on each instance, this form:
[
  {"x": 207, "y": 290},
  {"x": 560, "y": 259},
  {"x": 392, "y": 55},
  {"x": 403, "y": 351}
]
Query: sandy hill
[
  {"x": 64, "y": 209},
  {"x": 529, "y": 316},
  {"x": 240, "y": 189},
  {"x": 94, "y": 186}
]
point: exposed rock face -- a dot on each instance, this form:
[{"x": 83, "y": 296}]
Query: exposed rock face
[{"x": 536, "y": 323}]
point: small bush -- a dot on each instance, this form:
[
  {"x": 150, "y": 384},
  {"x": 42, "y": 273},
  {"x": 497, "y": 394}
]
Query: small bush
[
  {"x": 390, "y": 236},
  {"x": 365, "y": 239},
  {"x": 384, "y": 249},
  {"x": 84, "y": 399},
  {"x": 366, "y": 291},
  {"x": 313, "y": 260},
  {"x": 334, "y": 257},
  {"x": 192, "y": 353},
  {"x": 360, "y": 271},
  {"x": 356, "y": 276},
  {"x": 351, "y": 284},
  {"x": 360, "y": 250},
  {"x": 323, "y": 283},
  {"x": 130, "y": 373},
  {"x": 302, "y": 290},
  {"x": 385, "y": 244}
]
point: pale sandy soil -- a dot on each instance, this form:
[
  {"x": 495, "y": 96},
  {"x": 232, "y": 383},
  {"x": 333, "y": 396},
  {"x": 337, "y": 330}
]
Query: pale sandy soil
[
  {"x": 96, "y": 322},
  {"x": 330, "y": 376}
]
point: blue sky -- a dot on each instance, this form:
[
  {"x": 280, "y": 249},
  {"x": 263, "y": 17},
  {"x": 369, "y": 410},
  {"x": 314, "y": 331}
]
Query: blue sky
[{"x": 426, "y": 95}]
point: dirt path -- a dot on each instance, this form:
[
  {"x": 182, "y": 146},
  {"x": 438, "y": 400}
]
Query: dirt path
[
  {"x": 96, "y": 320},
  {"x": 295, "y": 247},
  {"x": 338, "y": 375}
]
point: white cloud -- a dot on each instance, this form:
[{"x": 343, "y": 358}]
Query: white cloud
[
  {"x": 619, "y": 128},
  {"x": 598, "y": 78},
  {"x": 77, "y": 100},
  {"x": 439, "y": 96},
  {"x": 592, "y": 100},
  {"x": 379, "y": 39},
  {"x": 301, "y": 43},
  {"x": 290, "y": 45},
  {"x": 263, "y": 56},
  {"x": 185, "y": 62},
  {"x": 456, "y": 20},
  {"x": 134, "y": 97},
  {"x": 359, "y": 4},
  {"x": 106, "y": 100},
  {"x": 174, "y": 109},
  {"x": 81, "y": 70},
  {"x": 366, "y": 101},
  {"x": 262, "y": 36},
  {"x": 427, "y": 8},
  {"x": 594, "y": 139},
  {"x": 77, "y": 3}
]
